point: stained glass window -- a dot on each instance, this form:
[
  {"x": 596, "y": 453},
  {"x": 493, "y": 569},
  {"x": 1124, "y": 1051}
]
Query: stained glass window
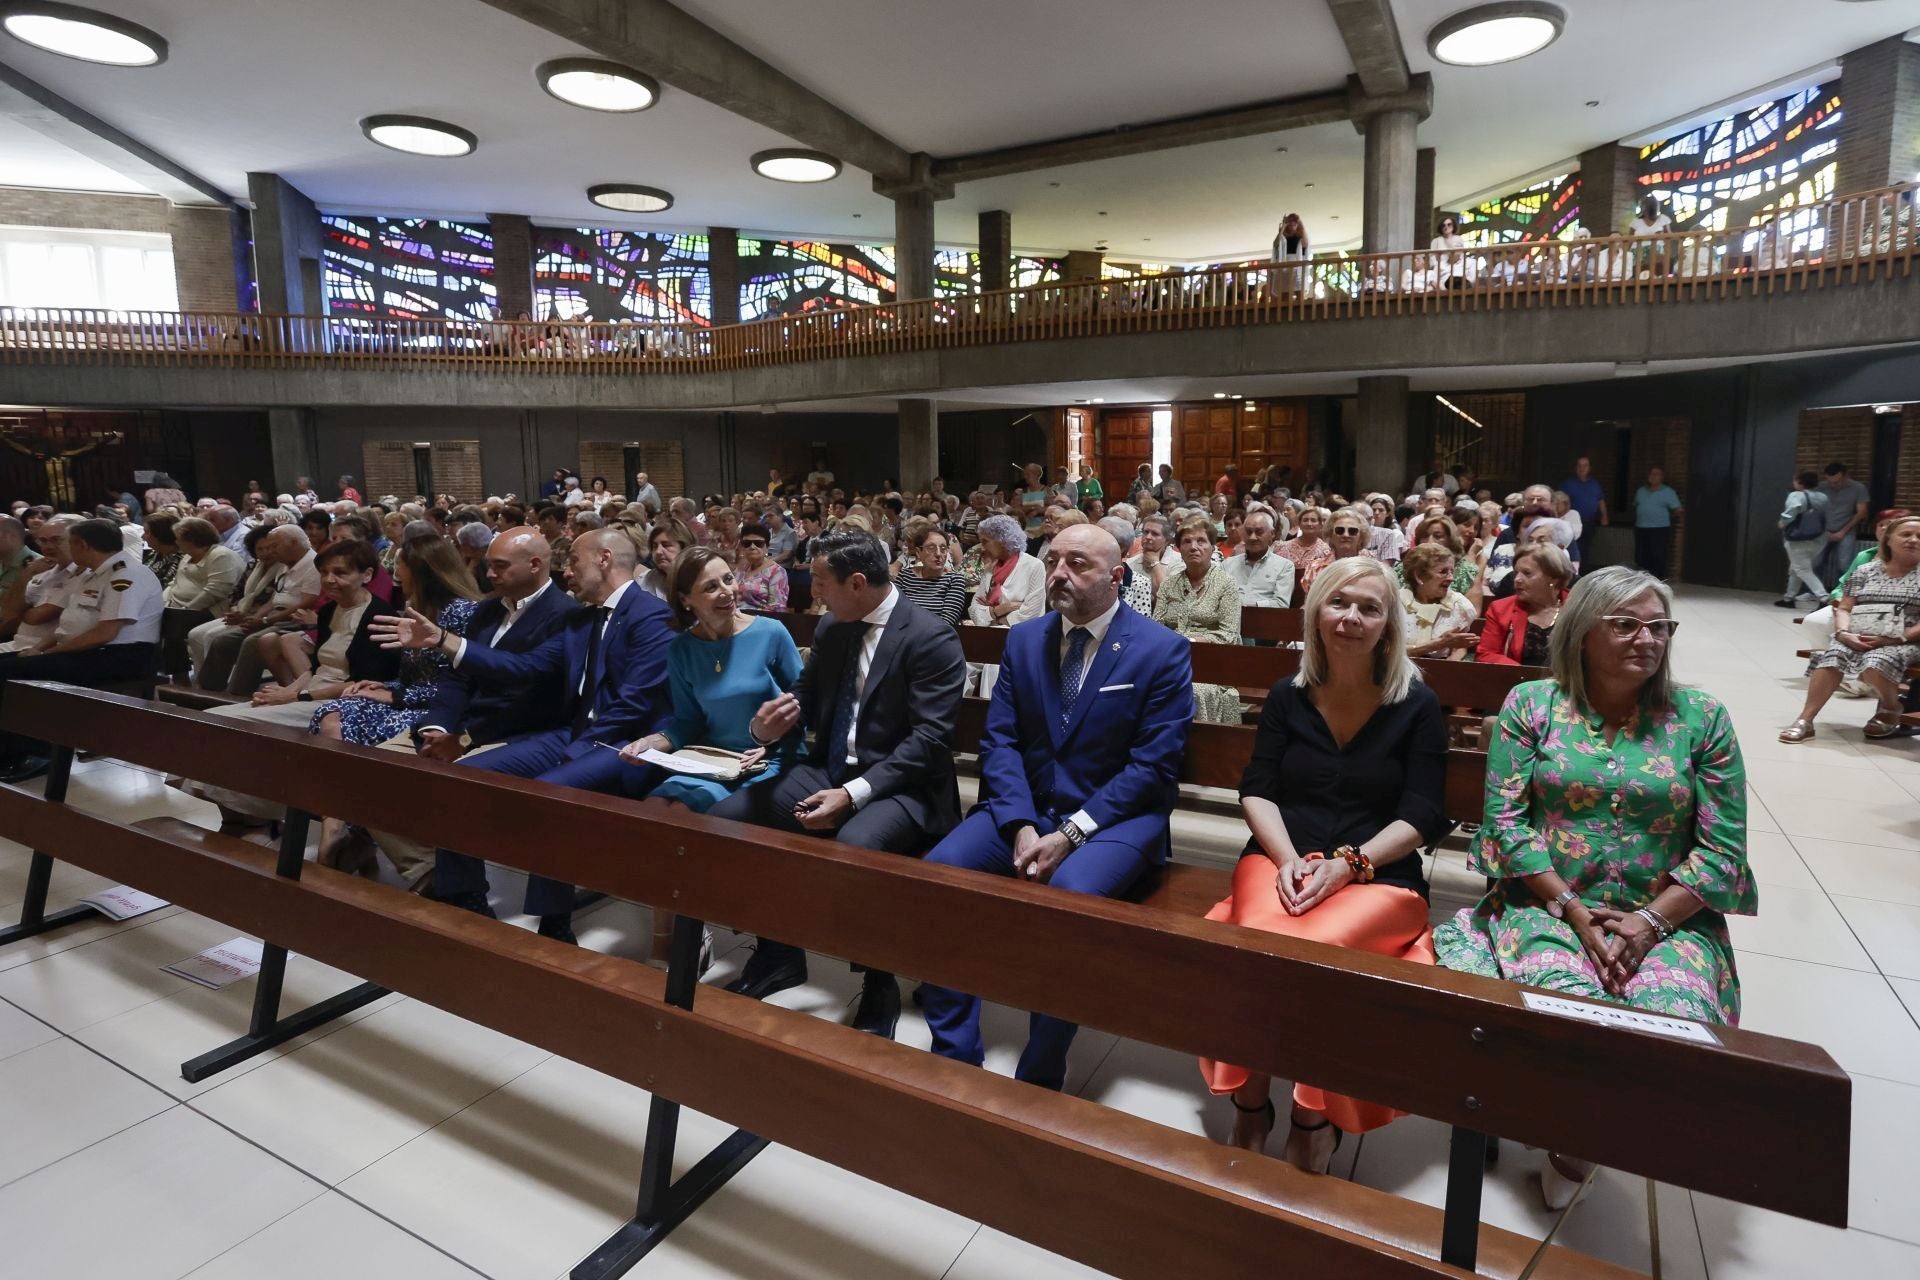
[
  {"x": 1742, "y": 169},
  {"x": 407, "y": 267},
  {"x": 1545, "y": 210},
  {"x": 609, "y": 274}
]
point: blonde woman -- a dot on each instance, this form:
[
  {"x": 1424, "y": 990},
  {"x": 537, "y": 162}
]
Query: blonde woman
[{"x": 1346, "y": 784}]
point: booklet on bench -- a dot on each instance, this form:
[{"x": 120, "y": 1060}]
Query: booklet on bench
[{"x": 123, "y": 903}]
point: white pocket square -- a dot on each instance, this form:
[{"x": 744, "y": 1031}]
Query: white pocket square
[{"x": 1114, "y": 688}]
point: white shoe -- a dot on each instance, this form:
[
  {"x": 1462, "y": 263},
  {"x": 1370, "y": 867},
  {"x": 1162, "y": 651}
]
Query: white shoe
[
  {"x": 1854, "y": 689},
  {"x": 1557, "y": 1190}
]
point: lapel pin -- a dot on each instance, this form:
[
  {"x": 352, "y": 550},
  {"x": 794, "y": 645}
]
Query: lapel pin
[{"x": 1116, "y": 646}]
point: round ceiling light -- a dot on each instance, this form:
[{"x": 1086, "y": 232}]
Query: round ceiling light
[
  {"x": 625, "y": 197},
  {"x": 1491, "y": 33},
  {"x": 788, "y": 165},
  {"x": 86, "y": 34},
  {"x": 597, "y": 85},
  {"x": 419, "y": 136}
]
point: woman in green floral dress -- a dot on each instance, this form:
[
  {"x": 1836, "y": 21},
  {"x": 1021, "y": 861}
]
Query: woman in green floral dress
[{"x": 1615, "y": 825}]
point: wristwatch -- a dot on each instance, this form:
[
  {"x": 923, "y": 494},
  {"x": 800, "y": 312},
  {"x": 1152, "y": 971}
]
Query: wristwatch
[
  {"x": 1564, "y": 897},
  {"x": 303, "y": 696},
  {"x": 1071, "y": 830}
]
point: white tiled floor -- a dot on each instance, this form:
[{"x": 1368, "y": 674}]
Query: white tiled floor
[{"x": 405, "y": 1142}]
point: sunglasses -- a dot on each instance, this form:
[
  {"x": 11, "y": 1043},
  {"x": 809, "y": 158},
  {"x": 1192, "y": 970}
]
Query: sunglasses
[
  {"x": 1348, "y": 531},
  {"x": 1627, "y": 628},
  {"x": 753, "y": 542}
]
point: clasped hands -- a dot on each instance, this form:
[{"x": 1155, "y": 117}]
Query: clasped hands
[
  {"x": 1866, "y": 644},
  {"x": 1304, "y": 883},
  {"x": 1616, "y": 941}
]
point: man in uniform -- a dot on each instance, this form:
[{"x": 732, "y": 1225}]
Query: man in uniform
[{"x": 108, "y": 632}]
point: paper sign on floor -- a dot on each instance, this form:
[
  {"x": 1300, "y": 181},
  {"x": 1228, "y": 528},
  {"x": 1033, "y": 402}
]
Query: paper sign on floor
[
  {"x": 218, "y": 966},
  {"x": 1618, "y": 1016},
  {"x": 123, "y": 903}
]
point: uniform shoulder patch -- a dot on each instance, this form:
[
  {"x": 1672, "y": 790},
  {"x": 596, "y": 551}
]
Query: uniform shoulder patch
[{"x": 121, "y": 584}]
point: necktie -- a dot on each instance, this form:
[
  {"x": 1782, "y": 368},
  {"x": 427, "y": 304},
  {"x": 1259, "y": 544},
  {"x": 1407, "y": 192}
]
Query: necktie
[
  {"x": 590, "y": 685},
  {"x": 1071, "y": 671},
  {"x": 842, "y": 722}
]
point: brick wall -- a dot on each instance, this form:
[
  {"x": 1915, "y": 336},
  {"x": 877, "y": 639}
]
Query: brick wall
[
  {"x": 1608, "y": 190},
  {"x": 1835, "y": 435},
  {"x": 607, "y": 458},
  {"x": 1665, "y": 443},
  {"x": 1906, "y": 480},
  {"x": 456, "y": 469},
  {"x": 387, "y": 467},
  {"x": 1880, "y": 86},
  {"x": 202, "y": 237}
]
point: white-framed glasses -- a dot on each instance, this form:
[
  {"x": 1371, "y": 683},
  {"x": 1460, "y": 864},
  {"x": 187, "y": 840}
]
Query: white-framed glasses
[{"x": 1626, "y": 627}]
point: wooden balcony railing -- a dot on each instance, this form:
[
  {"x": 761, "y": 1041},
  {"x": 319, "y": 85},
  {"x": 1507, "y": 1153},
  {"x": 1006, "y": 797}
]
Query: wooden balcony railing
[{"x": 1849, "y": 240}]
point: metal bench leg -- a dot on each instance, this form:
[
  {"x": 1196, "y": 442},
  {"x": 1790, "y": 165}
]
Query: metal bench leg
[
  {"x": 1466, "y": 1169},
  {"x": 664, "y": 1203},
  {"x": 267, "y": 1028},
  {"x": 34, "y": 919}
]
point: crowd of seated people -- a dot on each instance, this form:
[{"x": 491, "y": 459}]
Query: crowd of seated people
[{"x": 593, "y": 643}]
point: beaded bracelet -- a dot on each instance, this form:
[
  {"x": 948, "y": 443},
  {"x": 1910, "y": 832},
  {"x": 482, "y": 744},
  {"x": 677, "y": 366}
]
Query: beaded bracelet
[
  {"x": 1654, "y": 920},
  {"x": 1357, "y": 862}
]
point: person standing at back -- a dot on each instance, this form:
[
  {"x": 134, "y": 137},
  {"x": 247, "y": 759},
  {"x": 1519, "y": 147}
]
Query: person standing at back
[
  {"x": 1847, "y": 501},
  {"x": 1803, "y": 527},
  {"x": 1588, "y": 499},
  {"x": 1654, "y": 504}
]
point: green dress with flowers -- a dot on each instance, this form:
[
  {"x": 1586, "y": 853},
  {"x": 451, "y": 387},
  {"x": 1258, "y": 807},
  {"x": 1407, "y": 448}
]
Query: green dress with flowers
[{"x": 1665, "y": 802}]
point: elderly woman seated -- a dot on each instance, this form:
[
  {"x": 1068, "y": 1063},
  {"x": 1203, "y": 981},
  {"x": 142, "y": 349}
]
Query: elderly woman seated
[
  {"x": 1519, "y": 628},
  {"x": 1441, "y": 529},
  {"x": 1202, "y": 603},
  {"x": 1615, "y": 827},
  {"x": 1438, "y": 618},
  {"x": 1346, "y": 783},
  {"x": 1013, "y": 584},
  {"x": 346, "y": 656},
  {"x": 1876, "y": 633}
]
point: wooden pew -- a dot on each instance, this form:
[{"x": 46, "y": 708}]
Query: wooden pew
[{"x": 1484, "y": 1059}]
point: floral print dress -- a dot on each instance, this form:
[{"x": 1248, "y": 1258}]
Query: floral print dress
[
  {"x": 369, "y": 723},
  {"x": 1208, "y": 612},
  {"x": 1665, "y": 802}
]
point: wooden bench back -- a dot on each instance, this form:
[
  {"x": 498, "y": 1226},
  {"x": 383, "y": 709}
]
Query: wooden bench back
[
  {"x": 1465, "y": 1050},
  {"x": 1141, "y": 1201}
]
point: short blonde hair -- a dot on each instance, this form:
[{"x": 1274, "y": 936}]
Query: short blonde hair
[
  {"x": 1552, "y": 560},
  {"x": 1596, "y": 595},
  {"x": 1393, "y": 671},
  {"x": 1069, "y": 517}
]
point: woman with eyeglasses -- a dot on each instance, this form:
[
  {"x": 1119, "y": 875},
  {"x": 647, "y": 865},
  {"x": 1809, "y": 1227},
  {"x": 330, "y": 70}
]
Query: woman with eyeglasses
[
  {"x": 763, "y": 583},
  {"x": 927, "y": 577},
  {"x": 1615, "y": 827},
  {"x": 1876, "y": 633}
]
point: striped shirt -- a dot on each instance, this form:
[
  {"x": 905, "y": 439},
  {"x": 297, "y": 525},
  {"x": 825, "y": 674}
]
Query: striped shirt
[{"x": 945, "y": 597}]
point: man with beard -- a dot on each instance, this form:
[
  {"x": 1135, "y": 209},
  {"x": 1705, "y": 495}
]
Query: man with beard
[{"x": 1079, "y": 766}]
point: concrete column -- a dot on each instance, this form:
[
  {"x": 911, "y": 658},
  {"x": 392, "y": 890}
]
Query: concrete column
[
  {"x": 512, "y": 263},
  {"x": 996, "y": 250},
  {"x": 919, "y": 444},
  {"x": 1425, "y": 216},
  {"x": 1380, "y": 435},
  {"x": 286, "y": 235},
  {"x": 723, "y": 271},
  {"x": 1084, "y": 264},
  {"x": 295, "y": 442},
  {"x": 1388, "y": 195},
  {"x": 913, "y": 243},
  {"x": 1880, "y": 123},
  {"x": 1609, "y": 189}
]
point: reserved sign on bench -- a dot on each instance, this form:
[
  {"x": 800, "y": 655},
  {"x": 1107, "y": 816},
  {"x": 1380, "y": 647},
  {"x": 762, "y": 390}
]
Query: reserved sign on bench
[{"x": 1617, "y": 1016}]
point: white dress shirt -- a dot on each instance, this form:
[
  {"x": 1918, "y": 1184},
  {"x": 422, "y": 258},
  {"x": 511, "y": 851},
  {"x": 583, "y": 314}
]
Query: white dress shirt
[
  {"x": 1097, "y": 632},
  {"x": 1264, "y": 583},
  {"x": 514, "y": 608},
  {"x": 858, "y": 790}
]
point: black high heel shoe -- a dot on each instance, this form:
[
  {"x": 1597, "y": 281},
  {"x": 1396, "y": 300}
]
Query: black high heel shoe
[
  {"x": 1302, "y": 1144},
  {"x": 1264, "y": 1109}
]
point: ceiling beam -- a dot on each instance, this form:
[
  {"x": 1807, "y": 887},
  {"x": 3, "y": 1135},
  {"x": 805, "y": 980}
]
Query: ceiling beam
[
  {"x": 1373, "y": 42},
  {"x": 679, "y": 50},
  {"x": 1161, "y": 135},
  {"x": 39, "y": 108}
]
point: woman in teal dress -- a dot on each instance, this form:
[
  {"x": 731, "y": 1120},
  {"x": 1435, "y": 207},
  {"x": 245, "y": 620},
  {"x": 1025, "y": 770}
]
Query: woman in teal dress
[
  {"x": 1615, "y": 827},
  {"x": 720, "y": 668}
]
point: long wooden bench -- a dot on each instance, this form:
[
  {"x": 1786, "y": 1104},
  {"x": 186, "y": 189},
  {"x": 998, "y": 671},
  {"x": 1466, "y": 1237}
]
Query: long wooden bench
[{"x": 1146, "y": 1202}]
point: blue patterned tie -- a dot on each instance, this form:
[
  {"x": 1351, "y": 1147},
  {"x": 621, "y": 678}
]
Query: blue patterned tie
[{"x": 1072, "y": 670}]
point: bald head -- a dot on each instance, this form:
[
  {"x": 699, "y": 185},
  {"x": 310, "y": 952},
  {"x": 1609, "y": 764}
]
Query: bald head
[
  {"x": 518, "y": 562},
  {"x": 1083, "y": 572},
  {"x": 613, "y": 543},
  {"x": 284, "y": 545}
]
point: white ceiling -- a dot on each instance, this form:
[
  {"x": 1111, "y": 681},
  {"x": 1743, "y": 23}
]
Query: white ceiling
[{"x": 279, "y": 85}]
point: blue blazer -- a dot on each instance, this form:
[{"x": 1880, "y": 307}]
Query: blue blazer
[
  {"x": 1117, "y": 755},
  {"x": 492, "y": 709},
  {"x": 632, "y": 698}
]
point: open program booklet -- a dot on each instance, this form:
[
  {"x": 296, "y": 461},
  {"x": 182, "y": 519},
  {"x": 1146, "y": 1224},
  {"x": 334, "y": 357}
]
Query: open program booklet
[{"x": 705, "y": 762}]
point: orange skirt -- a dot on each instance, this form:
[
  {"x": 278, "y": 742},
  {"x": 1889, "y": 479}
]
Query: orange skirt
[{"x": 1382, "y": 918}]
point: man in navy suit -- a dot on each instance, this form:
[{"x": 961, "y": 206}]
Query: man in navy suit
[
  {"x": 612, "y": 660},
  {"x": 1079, "y": 766},
  {"x": 470, "y": 711}
]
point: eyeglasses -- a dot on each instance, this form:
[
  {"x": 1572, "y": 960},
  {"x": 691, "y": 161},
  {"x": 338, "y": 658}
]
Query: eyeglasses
[
  {"x": 1347, "y": 531},
  {"x": 1629, "y": 628},
  {"x": 753, "y": 542}
]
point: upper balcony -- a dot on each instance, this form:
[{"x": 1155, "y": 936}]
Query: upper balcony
[{"x": 1825, "y": 277}]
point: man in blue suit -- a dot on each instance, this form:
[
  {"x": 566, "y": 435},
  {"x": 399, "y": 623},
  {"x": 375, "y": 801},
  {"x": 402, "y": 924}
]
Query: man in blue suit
[
  {"x": 611, "y": 658},
  {"x": 1079, "y": 766},
  {"x": 469, "y": 711}
]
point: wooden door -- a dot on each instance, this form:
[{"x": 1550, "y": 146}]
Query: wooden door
[
  {"x": 1205, "y": 440},
  {"x": 1079, "y": 443},
  {"x": 1274, "y": 434},
  {"x": 1123, "y": 442}
]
